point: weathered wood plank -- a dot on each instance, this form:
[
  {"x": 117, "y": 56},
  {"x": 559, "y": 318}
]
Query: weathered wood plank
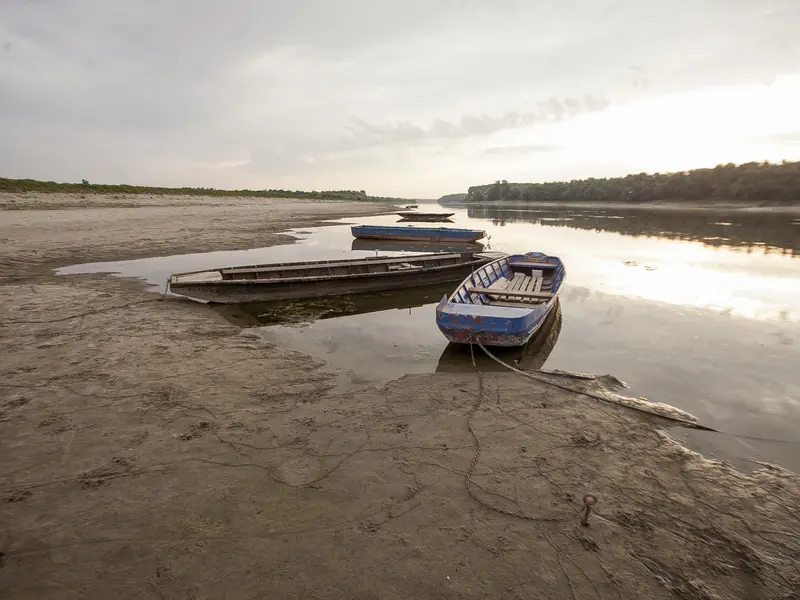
[
  {"x": 524, "y": 304},
  {"x": 399, "y": 259},
  {"x": 533, "y": 265},
  {"x": 480, "y": 290}
]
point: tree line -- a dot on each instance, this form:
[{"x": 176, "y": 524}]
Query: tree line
[
  {"x": 753, "y": 182},
  {"x": 33, "y": 185}
]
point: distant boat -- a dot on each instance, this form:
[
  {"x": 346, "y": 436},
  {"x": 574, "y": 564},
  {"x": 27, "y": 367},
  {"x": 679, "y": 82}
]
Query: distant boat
[
  {"x": 290, "y": 281},
  {"x": 416, "y": 234},
  {"x": 415, "y": 246},
  {"x": 420, "y": 216},
  {"x": 504, "y": 302},
  {"x": 411, "y": 206}
]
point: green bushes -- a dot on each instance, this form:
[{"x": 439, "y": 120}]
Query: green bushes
[{"x": 751, "y": 182}]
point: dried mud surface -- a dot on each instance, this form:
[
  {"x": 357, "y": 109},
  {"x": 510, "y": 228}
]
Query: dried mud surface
[{"x": 150, "y": 451}]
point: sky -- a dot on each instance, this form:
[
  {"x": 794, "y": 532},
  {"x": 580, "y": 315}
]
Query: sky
[{"x": 414, "y": 98}]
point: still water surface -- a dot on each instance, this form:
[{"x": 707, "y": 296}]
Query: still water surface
[{"x": 700, "y": 310}]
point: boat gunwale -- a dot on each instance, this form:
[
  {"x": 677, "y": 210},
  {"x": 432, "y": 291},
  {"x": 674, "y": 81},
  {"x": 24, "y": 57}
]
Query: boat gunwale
[{"x": 321, "y": 263}]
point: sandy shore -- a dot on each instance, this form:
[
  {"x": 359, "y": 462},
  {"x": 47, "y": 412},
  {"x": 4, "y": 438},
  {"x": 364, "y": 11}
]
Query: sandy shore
[{"x": 151, "y": 451}]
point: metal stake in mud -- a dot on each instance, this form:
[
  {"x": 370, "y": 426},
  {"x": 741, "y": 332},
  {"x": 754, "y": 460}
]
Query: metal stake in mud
[{"x": 589, "y": 500}]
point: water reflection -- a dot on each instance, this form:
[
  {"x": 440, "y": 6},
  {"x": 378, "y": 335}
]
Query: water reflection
[
  {"x": 762, "y": 232},
  {"x": 254, "y": 314},
  {"x": 457, "y": 358}
]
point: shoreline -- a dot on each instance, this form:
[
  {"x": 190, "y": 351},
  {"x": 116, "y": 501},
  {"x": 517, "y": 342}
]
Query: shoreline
[{"x": 148, "y": 441}]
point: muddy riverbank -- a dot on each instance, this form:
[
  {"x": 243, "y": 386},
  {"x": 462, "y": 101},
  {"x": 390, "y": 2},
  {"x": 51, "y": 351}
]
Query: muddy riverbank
[{"x": 150, "y": 450}]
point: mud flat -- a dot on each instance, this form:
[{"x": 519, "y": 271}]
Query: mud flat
[{"x": 151, "y": 451}]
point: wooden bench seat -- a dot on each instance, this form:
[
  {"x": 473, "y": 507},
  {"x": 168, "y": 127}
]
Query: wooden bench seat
[
  {"x": 518, "y": 289},
  {"x": 510, "y": 293}
]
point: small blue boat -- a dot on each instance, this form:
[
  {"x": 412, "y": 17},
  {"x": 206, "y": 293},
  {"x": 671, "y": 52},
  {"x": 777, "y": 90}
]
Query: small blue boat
[
  {"x": 504, "y": 302},
  {"x": 416, "y": 234}
]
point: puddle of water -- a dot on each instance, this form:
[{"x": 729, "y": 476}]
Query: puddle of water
[
  {"x": 318, "y": 244},
  {"x": 698, "y": 310}
]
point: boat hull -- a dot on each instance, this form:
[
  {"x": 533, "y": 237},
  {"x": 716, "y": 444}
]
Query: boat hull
[
  {"x": 416, "y": 234},
  {"x": 430, "y": 217},
  {"x": 415, "y": 246},
  {"x": 234, "y": 291},
  {"x": 489, "y": 331}
]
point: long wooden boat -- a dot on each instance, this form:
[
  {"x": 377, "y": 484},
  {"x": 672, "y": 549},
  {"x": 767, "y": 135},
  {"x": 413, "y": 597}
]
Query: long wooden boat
[
  {"x": 414, "y": 246},
  {"x": 504, "y": 302},
  {"x": 423, "y": 216},
  {"x": 416, "y": 234},
  {"x": 290, "y": 281}
]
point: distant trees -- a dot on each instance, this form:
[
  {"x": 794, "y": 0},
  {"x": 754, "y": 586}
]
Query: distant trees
[
  {"x": 32, "y": 185},
  {"x": 751, "y": 182}
]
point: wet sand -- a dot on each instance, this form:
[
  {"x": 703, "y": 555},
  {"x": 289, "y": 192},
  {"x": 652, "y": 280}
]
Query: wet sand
[{"x": 150, "y": 450}]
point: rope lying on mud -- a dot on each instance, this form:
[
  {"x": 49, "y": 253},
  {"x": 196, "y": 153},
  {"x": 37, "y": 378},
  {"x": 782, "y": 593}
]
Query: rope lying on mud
[
  {"x": 468, "y": 483},
  {"x": 567, "y": 388},
  {"x": 682, "y": 422}
]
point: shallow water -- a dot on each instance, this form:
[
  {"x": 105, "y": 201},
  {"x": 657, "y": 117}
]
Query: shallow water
[{"x": 700, "y": 310}]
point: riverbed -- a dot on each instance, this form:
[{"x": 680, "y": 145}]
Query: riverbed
[{"x": 157, "y": 447}]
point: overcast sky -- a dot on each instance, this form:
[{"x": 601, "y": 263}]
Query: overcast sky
[{"x": 413, "y": 98}]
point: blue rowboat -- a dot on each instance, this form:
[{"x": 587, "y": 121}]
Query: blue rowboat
[
  {"x": 415, "y": 246},
  {"x": 504, "y": 302},
  {"x": 416, "y": 234}
]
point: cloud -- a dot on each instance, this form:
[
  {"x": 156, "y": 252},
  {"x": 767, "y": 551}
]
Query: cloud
[
  {"x": 391, "y": 97},
  {"x": 524, "y": 149},
  {"x": 546, "y": 111}
]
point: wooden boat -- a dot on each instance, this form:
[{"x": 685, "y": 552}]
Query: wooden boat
[
  {"x": 457, "y": 358},
  {"x": 421, "y": 216},
  {"x": 416, "y": 234},
  {"x": 414, "y": 246},
  {"x": 504, "y": 302},
  {"x": 290, "y": 281},
  {"x": 411, "y": 206}
]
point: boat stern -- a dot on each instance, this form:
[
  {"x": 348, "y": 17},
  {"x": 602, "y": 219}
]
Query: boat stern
[{"x": 491, "y": 326}]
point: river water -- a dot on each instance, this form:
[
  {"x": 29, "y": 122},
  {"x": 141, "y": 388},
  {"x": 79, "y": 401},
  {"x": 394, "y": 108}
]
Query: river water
[{"x": 696, "y": 309}]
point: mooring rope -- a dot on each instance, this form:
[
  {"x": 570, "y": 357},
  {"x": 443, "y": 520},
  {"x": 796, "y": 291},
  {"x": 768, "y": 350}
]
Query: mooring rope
[{"x": 567, "y": 388}]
